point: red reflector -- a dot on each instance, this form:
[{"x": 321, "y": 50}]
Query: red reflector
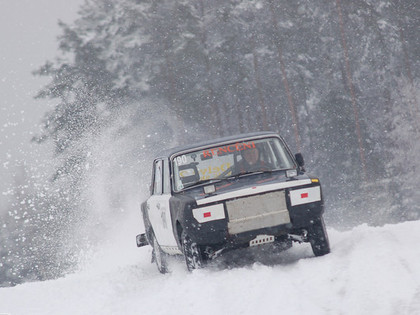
[
  {"x": 207, "y": 214},
  {"x": 304, "y": 195}
]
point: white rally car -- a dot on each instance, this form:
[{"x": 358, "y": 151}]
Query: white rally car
[{"x": 229, "y": 193}]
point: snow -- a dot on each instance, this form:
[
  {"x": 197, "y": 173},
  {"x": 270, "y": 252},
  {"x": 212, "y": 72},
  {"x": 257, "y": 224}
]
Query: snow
[
  {"x": 371, "y": 270},
  {"x": 28, "y": 31}
]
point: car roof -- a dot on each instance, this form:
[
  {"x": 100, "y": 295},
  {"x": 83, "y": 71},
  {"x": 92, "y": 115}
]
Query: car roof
[{"x": 197, "y": 145}]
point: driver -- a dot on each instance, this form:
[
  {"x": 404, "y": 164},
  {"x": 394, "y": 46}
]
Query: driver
[{"x": 251, "y": 161}]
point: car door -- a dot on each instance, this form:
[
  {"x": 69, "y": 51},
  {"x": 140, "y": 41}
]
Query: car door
[{"x": 158, "y": 204}]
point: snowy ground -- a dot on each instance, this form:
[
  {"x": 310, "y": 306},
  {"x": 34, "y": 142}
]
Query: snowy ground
[{"x": 370, "y": 271}]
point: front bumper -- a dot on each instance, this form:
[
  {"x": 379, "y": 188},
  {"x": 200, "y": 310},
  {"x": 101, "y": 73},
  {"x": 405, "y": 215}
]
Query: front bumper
[{"x": 277, "y": 213}]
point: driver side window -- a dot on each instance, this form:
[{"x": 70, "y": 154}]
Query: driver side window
[{"x": 157, "y": 180}]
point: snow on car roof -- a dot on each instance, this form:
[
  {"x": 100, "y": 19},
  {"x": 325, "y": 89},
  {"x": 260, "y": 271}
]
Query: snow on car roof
[{"x": 244, "y": 136}]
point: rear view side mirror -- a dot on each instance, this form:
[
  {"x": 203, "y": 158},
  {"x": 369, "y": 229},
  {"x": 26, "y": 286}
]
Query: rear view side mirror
[
  {"x": 141, "y": 240},
  {"x": 299, "y": 159}
]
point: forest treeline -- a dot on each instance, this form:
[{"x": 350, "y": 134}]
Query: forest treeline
[{"x": 338, "y": 79}]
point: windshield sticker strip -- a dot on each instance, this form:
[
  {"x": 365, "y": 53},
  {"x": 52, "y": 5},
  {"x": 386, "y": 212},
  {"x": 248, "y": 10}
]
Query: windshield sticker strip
[
  {"x": 253, "y": 191},
  {"x": 228, "y": 149}
]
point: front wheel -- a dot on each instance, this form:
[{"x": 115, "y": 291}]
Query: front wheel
[
  {"x": 192, "y": 252},
  {"x": 318, "y": 238},
  {"x": 159, "y": 257}
]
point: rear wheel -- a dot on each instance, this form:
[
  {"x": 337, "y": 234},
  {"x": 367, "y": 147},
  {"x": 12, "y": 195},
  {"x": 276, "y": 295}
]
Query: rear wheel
[
  {"x": 159, "y": 257},
  {"x": 318, "y": 238},
  {"x": 192, "y": 252}
]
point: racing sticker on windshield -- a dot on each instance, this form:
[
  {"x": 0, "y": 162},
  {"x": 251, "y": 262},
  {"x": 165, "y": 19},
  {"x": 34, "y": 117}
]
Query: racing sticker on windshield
[
  {"x": 213, "y": 171},
  {"x": 187, "y": 172},
  {"x": 207, "y": 172},
  {"x": 181, "y": 160},
  {"x": 240, "y": 146}
]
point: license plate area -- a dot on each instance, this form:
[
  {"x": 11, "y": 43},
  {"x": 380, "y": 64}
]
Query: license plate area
[
  {"x": 257, "y": 212},
  {"x": 261, "y": 239}
]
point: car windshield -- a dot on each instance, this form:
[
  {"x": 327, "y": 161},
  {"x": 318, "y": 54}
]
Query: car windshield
[{"x": 228, "y": 160}]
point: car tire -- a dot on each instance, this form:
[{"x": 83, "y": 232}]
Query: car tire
[
  {"x": 159, "y": 257},
  {"x": 318, "y": 238},
  {"x": 192, "y": 252}
]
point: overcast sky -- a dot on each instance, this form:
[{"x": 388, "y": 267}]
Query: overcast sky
[{"x": 28, "y": 38}]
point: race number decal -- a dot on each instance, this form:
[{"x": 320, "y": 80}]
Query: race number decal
[{"x": 181, "y": 160}]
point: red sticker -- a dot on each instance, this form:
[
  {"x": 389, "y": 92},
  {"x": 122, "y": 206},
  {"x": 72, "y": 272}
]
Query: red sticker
[
  {"x": 228, "y": 149},
  {"x": 207, "y": 214},
  {"x": 304, "y": 195}
]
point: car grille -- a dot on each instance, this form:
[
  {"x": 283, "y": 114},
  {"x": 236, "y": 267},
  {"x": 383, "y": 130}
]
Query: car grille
[{"x": 256, "y": 212}]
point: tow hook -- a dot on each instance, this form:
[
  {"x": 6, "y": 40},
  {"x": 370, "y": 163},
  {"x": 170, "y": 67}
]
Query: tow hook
[
  {"x": 301, "y": 238},
  {"x": 212, "y": 254}
]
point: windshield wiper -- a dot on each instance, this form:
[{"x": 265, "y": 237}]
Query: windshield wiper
[
  {"x": 200, "y": 183},
  {"x": 253, "y": 173}
]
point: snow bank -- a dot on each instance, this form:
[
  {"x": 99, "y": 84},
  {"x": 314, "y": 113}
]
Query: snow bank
[{"x": 371, "y": 270}]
